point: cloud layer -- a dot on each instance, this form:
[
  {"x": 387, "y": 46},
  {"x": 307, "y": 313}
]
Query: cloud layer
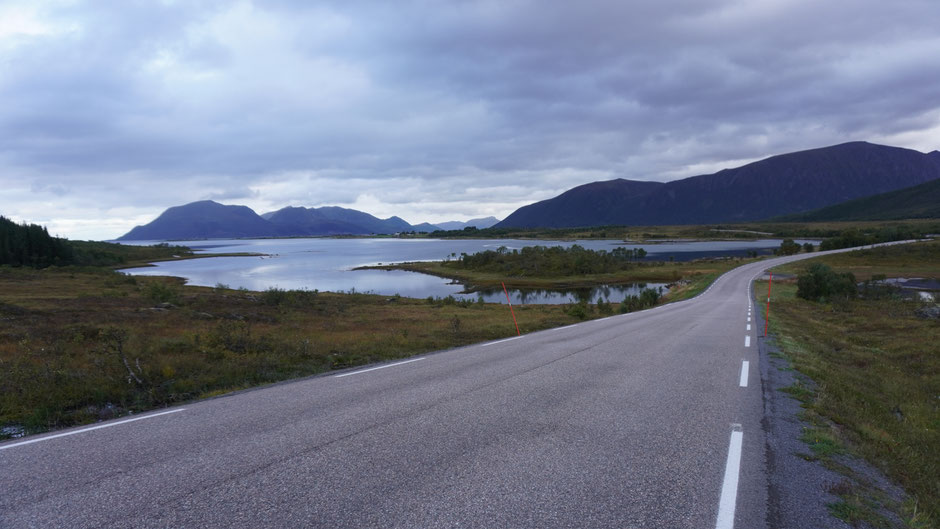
[{"x": 430, "y": 109}]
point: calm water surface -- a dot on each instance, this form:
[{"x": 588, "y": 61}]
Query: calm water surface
[{"x": 326, "y": 265}]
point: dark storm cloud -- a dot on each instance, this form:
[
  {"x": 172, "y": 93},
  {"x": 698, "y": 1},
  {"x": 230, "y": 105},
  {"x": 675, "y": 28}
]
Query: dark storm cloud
[{"x": 271, "y": 103}]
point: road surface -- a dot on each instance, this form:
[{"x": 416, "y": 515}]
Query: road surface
[{"x": 649, "y": 419}]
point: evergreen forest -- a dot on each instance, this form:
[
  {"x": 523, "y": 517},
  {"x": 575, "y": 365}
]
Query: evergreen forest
[{"x": 31, "y": 245}]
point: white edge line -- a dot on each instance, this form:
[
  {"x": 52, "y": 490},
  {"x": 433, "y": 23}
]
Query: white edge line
[
  {"x": 501, "y": 341},
  {"x": 744, "y": 367},
  {"x": 83, "y": 430},
  {"x": 379, "y": 367},
  {"x": 729, "y": 487}
]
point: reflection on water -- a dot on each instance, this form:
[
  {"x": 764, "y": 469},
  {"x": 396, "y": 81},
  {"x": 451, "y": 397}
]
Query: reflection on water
[{"x": 609, "y": 293}]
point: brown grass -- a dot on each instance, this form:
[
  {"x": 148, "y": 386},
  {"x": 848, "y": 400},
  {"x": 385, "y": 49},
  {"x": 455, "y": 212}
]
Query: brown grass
[{"x": 77, "y": 346}]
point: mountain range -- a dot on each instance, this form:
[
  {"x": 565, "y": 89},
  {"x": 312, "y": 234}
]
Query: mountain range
[
  {"x": 210, "y": 220},
  {"x": 779, "y": 185}
]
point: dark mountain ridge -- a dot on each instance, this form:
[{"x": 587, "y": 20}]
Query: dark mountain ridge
[
  {"x": 779, "y": 185},
  {"x": 206, "y": 219}
]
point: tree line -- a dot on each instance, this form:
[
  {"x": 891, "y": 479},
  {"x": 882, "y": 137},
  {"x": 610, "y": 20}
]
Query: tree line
[
  {"x": 31, "y": 245},
  {"x": 855, "y": 237},
  {"x": 549, "y": 261}
]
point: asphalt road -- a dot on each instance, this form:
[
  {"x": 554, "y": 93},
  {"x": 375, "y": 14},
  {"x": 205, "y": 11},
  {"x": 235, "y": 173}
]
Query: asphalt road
[{"x": 629, "y": 421}]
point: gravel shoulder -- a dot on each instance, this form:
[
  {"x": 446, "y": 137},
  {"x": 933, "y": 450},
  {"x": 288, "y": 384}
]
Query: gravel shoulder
[{"x": 801, "y": 489}]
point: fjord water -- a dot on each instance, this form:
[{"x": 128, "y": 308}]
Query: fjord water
[{"x": 327, "y": 264}]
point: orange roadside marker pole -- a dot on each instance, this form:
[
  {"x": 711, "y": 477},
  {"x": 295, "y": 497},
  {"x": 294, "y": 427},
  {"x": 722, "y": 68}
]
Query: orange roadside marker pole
[
  {"x": 767, "y": 313},
  {"x": 510, "y": 309}
]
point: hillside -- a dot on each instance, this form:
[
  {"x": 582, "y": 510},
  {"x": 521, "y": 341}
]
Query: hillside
[
  {"x": 779, "y": 185},
  {"x": 917, "y": 202},
  {"x": 595, "y": 204}
]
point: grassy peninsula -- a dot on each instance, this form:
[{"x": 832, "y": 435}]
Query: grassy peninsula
[{"x": 557, "y": 268}]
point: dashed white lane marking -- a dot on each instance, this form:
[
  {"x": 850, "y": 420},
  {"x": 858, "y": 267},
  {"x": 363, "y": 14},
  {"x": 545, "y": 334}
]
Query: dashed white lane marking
[
  {"x": 83, "y": 430},
  {"x": 747, "y": 341},
  {"x": 748, "y": 318},
  {"x": 729, "y": 488},
  {"x": 378, "y": 367},
  {"x": 749, "y": 326},
  {"x": 744, "y": 367},
  {"x": 555, "y": 329},
  {"x": 501, "y": 341}
]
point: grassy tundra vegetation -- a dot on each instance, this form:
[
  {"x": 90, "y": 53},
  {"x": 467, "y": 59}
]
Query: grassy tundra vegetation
[
  {"x": 875, "y": 361},
  {"x": 83, "y": 344}
]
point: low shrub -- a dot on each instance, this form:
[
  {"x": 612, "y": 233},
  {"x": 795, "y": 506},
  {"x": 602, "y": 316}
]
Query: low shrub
[
  {"x": 647, "y": 298},
  {"x": 292, "y": 298},
  {"x": 160, "y": 292},
  {"x": 788, "y": 247},
  {"x": 579, "y": 310},
  {"x": 821, "y": 283}
]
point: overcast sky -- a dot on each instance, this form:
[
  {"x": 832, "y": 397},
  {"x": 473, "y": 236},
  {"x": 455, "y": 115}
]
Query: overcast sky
[{"x": 110, "y": 112}]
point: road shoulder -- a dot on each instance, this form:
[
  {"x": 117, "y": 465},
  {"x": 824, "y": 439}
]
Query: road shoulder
[{"x": 802, "y": 491}]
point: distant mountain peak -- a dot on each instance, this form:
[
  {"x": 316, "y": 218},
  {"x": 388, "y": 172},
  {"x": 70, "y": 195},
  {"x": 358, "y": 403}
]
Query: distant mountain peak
[{"x": 204, "y": 219}]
